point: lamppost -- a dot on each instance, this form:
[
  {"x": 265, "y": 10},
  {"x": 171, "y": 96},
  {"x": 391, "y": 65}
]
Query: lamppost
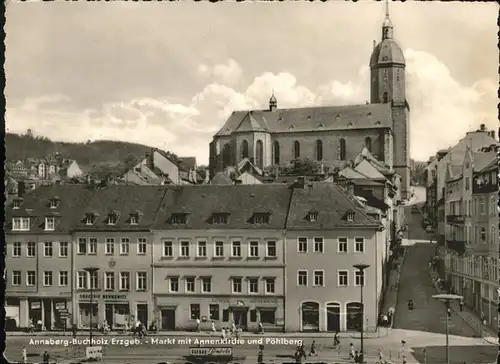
[
  {"x": 92, "y": 273},
  {"x": 361, "y": 268},
  {"x": 447, "y": 299}
]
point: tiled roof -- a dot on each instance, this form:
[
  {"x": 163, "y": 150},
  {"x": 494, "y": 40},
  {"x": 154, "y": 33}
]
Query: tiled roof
[
  {"x": 240, "y": 202},
  {"x": 187, "y": 163},
  {"x": 366, "y": 182},
  {"x": 370, "y": 116},
  {"x": 481, "y": 160},
  {"x": 350, "y": 173},
  {"x": 493, "y": 165},
  {"x": 221, "y": 179},
  {"x": 36, "y": 204},
  {"x": 124, "y": 200},
  {"x": 365, "y": 154},
  {"x": 332, "y": 204}
]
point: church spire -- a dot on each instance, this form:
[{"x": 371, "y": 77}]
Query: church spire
[
  {"x": 387, "y": 28},
  {"x": 273, "y": 103}
]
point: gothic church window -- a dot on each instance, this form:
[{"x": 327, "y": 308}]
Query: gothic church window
[
  {"x": 244, "y": 149},
  {"x": 259, "y": 154},
  {"x": 319, "y": 150},
  {"x": 368, "y": 143},
  {"x": 296, "y": 149},
  {"x": 385, "y": 97},
  {"x": 342, "y": 150},
  {"x": 276, "y": 153},
  {"x": 226, "y": 156}
]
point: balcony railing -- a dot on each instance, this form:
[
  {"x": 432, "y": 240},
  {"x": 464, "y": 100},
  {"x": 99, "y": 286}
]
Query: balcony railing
[
  {"x": 455, "y": 219},
  {"x": 456, "y": 245},
  {"x": 485, "y": 188}
]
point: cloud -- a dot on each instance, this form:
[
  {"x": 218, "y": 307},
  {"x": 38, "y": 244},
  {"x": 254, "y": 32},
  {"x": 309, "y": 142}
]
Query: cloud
[
  {"x": 228, "y": 73},
  {"x": 442, "y": 109}
]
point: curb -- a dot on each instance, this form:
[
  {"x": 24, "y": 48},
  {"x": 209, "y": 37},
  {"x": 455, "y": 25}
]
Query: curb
[
  {"x": 461, "y": 317},
  {"x": 391, "y": 326}
]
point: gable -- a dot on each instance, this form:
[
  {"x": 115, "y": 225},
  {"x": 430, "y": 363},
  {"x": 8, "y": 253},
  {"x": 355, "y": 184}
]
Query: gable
[
  {"x": 365, "y": 167},
  {"x": 350, "y": 173},
  {"x": 164, "y": 164}
]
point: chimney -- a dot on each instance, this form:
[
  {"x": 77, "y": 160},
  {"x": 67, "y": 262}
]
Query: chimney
[
  {"x": 21, "y": 188},
  {"x": 492, "y": 134},
  {"x": 482, "y": 127},
  {"x": 350, "y": 188}
]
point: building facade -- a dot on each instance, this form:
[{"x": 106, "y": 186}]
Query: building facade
[
  {"x": 113, "y": 236},
  {"x": 323, "y": 289},
  {"x": 39, "y": 251},
  {"x": 218, "y": 257},
  {"x": 471, "y": 260},
  {"x": 328, "y": 135}
]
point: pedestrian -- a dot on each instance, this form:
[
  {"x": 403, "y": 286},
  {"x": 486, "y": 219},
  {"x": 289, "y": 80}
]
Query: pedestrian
[
  {"x": 198, "y": 324},
  {"x": 404, "y": 359},
  {"x": 313, "y": 349},
  {"x": 380, "y": 355},
  {"x": 25, "y": 354},
  {"x": 461, "y": 305},
  {"x": 223, "y": 333},
  {"x": 385, "y": 321},
  {"x": 214, "y": 330},
  {"x": 356, "y": 357},
  {"x": 351, "y": 351},
  {"x": 261, "y": 328},
  {"x": 46, "y": 357},
  {"x": 336, "y": 341}
]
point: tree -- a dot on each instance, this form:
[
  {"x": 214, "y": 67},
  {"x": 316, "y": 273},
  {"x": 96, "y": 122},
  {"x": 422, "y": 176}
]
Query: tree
[{"x": 303, "y": 167}]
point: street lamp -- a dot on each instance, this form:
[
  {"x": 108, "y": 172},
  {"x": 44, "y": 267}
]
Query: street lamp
[
  {"x": 361, "y": 268},
  {"x": 92, "y": 273},
  {"x": 447, "y": 299}
]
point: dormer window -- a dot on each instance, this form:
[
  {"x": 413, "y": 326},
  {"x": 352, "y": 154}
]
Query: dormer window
[
  {"x": 134, "y": 219},
  {"x": 50, "y": 223},
  {"x": 112, "y": 218},
  {"x": 53, "y": 203},
  {"x": 178, "y": 219},
  {"x": 21, "y": 224},
  {"x": 261, "y": 218},
  {"x": 350, "y": 216},
  {"x": 312, "y": 216},
  {"x": 89, "y": 219},
  {"x": 220, "y": 218},
  {"x": 16, "y": 204}
]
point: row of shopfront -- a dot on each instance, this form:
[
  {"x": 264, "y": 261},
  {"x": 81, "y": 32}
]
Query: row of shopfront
[{"x": 181, "y": 313}]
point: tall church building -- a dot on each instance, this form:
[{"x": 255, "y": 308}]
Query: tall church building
[{"x": 330, "y": 135}]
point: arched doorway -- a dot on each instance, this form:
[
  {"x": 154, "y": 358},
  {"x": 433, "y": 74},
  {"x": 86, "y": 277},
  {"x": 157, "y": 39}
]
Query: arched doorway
[
  {"x": 353, "y": 316},
  {"x": 333, "y": 317},
  {"x": 310, "y": 316}
]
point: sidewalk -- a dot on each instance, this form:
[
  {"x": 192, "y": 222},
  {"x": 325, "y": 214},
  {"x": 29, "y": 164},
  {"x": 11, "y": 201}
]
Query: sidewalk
[
  {"x": 392, "y": 289},
  {"x": 245, "y": 334},
  {"x": 486, "y": 332}
]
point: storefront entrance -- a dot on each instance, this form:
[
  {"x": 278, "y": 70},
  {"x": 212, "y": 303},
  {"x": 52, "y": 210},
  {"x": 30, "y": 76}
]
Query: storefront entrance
[
  {"x": 310, "y": 316},
  {"x": 168, "y": 319},
  {"x": 332, "y": 317},
  {"x": 354, "y": 316},
  {"x": 240, "y": 317},
  {"x": 117, "y": 315},
  {"x": 142, "y": 313}
]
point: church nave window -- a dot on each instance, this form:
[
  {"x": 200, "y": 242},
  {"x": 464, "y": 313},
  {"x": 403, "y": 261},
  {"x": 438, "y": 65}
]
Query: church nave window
[
  {"x": 368, "y": 144},
  {"x": 276, "y": 153},
  {"x": 319, "y": 150},
  {"x": 342, "y": 150},
  {"x": 244, "y": 149},
  {"x": 296, "y": 149}
]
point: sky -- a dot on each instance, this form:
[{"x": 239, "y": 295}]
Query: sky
[{"x": 168, "y": 74}]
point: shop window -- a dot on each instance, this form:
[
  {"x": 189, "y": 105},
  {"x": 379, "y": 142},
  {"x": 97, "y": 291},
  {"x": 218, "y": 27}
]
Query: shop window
[
  {"x": 195, "y": 311},
  {"x": 253, "y": 315},
  {"x": 214, "y": 312},
  {"x": 268, "y": 316},
  {"x": 225, "y": 315}
]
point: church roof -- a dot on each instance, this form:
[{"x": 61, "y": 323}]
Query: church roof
[
  {"x": 350, "y": 173},
  {"x": 387, "y": 52},
  {"x": 308, "y": 119}
]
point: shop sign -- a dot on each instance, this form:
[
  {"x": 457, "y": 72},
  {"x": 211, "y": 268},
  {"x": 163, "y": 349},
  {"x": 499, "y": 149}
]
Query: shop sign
[
  {"x": 264, "y": 301},
  {"x": 227, "y": 351},
  {"x": 60, "y": 306},
  {"x": 36, "y": 305},
  {"x": 86, "y": 297},
  {"x": 108, "y": 297}
]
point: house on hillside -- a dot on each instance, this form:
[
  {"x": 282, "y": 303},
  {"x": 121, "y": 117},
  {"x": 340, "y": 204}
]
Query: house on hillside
[
  {"x": 71, "y": 169},
  {"x": 158, "y": 168}
]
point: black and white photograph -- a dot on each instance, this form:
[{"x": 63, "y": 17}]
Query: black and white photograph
[{"x": 252, "y": 182}]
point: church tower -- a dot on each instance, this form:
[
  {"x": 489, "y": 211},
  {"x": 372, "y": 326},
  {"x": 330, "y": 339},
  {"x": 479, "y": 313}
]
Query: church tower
[{"x": 387, "y": 72}]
